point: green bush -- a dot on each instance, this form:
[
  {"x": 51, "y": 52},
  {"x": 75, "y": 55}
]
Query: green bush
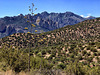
[
  {"x": 92, "y": 43},
  {"x": 72, "y": 55},
  {"x": 89, "y": 59},
  {"x": 38, "y": 62},
  {"x": 82, "y": 48},
  {"x": 79, "y": 57},
  {"x": 36, "y": 51},
  {"x": 88, "y": 48},
  {"x": 94, "y": 71},
  {"x": 72, "y": 46},
  {"x": 43, "y": 52},
  {"x": 84, "y": 52},
  {"x": 95, "y": 53},
  {"x": 99, "y": 47},
  {"x": 93, "y": 49},
  {"x": 51, "y": 56},
  {"x": 15, "y": 59},
  {"x": 49, "y": 51},
  {"x": 98, "y": 53},
  {"x": 61, "y": 66},
  {"x": 89, "y": 54},
  {"x": 75, "y": 69}
]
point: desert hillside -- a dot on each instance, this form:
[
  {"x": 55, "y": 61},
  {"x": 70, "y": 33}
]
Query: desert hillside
[{"x": 71, "y": 48}]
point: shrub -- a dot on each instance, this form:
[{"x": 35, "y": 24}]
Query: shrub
[
  {"x": 43, "y": 52},
  {"x": 99, "y": 53},
  {"x": 49, "y": 51},
  {"x": 90, "y": 59},
  {"x": 88, "y": 48},
  {"x": 99, "y": 47},
  {"x": 82, "y": 48},
  {"x": 89, "y": 54},
  {"x": 95, "y": 54},
  {"x": 72, "y": 55},
  {"x": 84, "y": 52},
  {"x": 80, "y": 57},
  {"x": 14, "y": 59},
  {"x": 36, "y": 51},
  {"x": 92, "y": 43},
  {"x": 51, "y": 56},
  {"x": 39, "y": 54},
  {"x": 62, "y": 59},
  {"x": 61, "y": 66},
  {"x": 95, "y": 71},
  {"x": 37, "y": 62},
  {"x": 75, "y": 69},
  {"x": 73, "y": 46},
  {"x": 93, "y": 49}
]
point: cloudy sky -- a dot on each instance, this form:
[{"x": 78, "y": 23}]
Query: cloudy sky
[{"x": 84, "y": 8}]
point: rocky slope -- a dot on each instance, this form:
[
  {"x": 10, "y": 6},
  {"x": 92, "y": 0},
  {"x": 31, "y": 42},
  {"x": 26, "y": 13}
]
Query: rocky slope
[{"x": 48, "y": 22}]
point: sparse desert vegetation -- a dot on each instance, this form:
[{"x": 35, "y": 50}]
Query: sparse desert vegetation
[{"x": 71, "y": 50}]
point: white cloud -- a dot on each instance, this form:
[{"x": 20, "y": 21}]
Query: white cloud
[
  {"x": 18, "y": 14},
  {"x": 88, "y": 15},
  {"x": 82, "y": 15}
]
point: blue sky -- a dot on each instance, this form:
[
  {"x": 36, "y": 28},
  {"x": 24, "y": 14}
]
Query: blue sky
[{"x": 80, "y": 7}]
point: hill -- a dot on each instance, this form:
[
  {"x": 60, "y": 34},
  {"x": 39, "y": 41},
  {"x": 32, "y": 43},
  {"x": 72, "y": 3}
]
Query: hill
[
  {"x": 85, "y": 30},
  {"x": 48, "y": 22},
  {"x": 73, "y": 48}
]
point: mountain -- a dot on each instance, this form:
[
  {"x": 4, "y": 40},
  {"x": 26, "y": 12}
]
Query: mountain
[
  {"x": 48, "y": 22},
  {"x": 73, "y": 46},
  {"x": 90, "y": 17}
]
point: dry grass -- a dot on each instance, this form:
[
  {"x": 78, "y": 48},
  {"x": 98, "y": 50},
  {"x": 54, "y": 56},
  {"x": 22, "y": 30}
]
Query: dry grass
[{"x": 10, "y": 72}]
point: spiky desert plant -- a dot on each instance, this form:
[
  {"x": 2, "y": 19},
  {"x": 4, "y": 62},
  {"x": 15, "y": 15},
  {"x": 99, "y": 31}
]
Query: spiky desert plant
[
  {"x": 31, "y": 10},
  {"x": 40, "y": 41}
]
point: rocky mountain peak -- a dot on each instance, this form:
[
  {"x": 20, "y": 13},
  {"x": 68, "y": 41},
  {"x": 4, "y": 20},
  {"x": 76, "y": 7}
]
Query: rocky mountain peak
[{"x": 48, "y": 22}]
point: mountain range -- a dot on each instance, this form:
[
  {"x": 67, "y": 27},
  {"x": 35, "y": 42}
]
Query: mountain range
[{"x": 48, "y": 22}]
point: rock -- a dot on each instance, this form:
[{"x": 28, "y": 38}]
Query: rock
[
  {"x": 2, "y": 27},
  {"x": 10, "y": 30}
]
